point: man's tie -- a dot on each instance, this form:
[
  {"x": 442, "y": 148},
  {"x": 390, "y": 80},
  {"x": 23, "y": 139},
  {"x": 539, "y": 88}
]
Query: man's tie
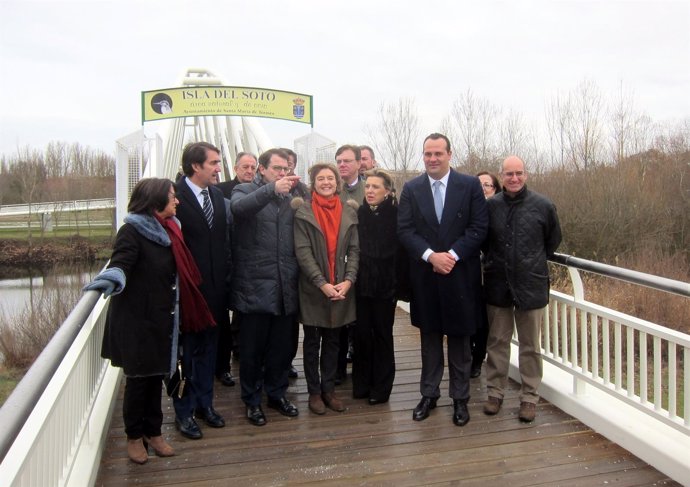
[
  {"x": 438, "y": 200},
  {"x": 208, "y": 208}
]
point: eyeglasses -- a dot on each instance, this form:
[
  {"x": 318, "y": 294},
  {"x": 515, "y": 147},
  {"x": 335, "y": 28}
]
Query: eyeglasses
[
  {"x": 513, "y": 173},
  {"x": 487, "y": 185},
  {"x": 279, "y": 168},
  {"x": 172, "y": 196}
]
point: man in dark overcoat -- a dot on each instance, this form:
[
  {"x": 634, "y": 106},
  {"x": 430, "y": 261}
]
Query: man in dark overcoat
[
  {"x": 206, "y": 233},
  {"x": 442, "y": 222}
]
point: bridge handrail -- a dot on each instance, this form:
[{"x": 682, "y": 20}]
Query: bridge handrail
[
  {"x": 627, "y": 275},
  {"x": 26, "y": 394}
]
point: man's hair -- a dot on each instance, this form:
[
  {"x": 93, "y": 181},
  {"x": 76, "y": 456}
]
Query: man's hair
[
  {"x": 353, "y": 148},
  {"x": 149, "y": 195},
  {"x": 240, "y": 155},
  {"x": 195, "y": 153},
  {"x": 366, "y": 147},
  {"x": 290, "y": 152},
  {"x": 317, "y": 168},
  {"x": 265, "y": 158},
  {"x": 436, "y": 136}
]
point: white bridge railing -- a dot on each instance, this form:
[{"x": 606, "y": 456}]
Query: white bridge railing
[
  {"x": 597, "y": 368},
  {"x": 623, "y": 376},
  {"x": 57, "y": 206}
]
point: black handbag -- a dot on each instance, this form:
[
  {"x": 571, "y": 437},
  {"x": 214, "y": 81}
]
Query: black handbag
[{"x": 174, "y": 386}]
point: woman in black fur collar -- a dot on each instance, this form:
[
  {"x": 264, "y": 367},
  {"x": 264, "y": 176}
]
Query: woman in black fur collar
[{"x": 378, "y": 281}]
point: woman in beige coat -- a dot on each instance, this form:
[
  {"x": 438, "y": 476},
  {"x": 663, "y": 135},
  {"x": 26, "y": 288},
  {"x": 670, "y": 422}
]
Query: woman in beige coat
[{"x": 327, "y": 249}]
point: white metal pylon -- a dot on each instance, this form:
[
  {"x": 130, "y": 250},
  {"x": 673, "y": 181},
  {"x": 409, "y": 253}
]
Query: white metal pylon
[{"x": 231, "y": 134}]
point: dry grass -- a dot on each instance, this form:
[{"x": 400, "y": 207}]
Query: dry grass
[{"x": 24, "y": 335}]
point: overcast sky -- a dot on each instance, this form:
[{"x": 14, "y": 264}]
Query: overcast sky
[{"x": 74, "y": 71}]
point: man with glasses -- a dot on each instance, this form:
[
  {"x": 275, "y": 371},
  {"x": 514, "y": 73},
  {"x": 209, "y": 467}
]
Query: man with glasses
[
  {"x": 264, "y": 283},
  {"x": 523, "y": 233},
  {"x": 348, "y": 158}
]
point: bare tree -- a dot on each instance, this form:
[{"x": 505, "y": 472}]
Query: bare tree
[
  {"x": 396, "y": 135},
  {"x": 558, "y": 119},
  {"x": 474, "y": 119}
]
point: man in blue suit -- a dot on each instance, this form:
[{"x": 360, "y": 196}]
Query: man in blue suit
[
  {"x": 442, "y": 222},
  {"x": 204, "y": 220}
]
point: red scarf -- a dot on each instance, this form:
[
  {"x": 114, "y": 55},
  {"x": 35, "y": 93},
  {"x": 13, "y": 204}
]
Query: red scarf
[
  {"x": 328, "y": 212},
  {"x": 194, "y": 313}
]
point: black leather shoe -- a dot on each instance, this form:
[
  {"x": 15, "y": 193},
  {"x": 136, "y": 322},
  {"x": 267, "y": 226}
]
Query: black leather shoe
[
  {"x": 285, "y": 407},
  {"x": 373, "y": 401},
  {"x": 188, "y": 428},
  {"x": 256, "y": 416},
  {"x": 292, "y": 372},
  {"x": 476, "y": 372},
  {"x": 226, "y": 379},
  {"x": 461, "y": 416},
  {"x": 210, "y": 416},
  {"x": 421, "y": 412}
]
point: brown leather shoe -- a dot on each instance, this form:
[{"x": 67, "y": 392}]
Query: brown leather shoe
[
  {"x": 528, "y": 411},
  {"x": 160, "y": 446},
  {"x": 316, "y": 404},
  {"x": 493, "y": 405},
  {"x": 136, "y": 451},
  {"x": 332, "y": 401}
]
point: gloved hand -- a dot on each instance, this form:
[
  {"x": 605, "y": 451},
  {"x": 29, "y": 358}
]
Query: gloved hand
[{"x": 104, "y": 285}]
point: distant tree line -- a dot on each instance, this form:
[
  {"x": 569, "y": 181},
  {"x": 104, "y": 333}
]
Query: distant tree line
[
  {"x": 61, "y": 172},
  {"x": 620, "y": 181}
]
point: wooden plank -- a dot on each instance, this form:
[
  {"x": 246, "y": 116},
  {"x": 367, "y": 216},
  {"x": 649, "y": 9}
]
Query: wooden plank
[{"x": 381, "y": 445}]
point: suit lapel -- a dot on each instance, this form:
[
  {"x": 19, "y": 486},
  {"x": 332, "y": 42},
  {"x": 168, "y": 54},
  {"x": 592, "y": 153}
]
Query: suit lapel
[
  {"x": 190, "y": 200},
  {"x": 426, "y": 201},
  {"x": 451, "y": 205}
]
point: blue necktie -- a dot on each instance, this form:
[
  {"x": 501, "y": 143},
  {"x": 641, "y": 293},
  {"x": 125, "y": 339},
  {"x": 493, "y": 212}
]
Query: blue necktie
[
  {"x": 438, "y": 200},
  {"x": 207, "y": 208}
]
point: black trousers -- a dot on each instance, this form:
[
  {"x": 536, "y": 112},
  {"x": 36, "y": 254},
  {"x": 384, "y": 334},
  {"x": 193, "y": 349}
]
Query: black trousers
[
  {"x": 295, "y": 339},
  {"x": 373, "y": 366},
  {"x": 265, "y": 351},
  {"x": 320, "y": 348},
  {"x": 199, "y": 364},
  {"x": 141, "y": 407},
  {"x": 225, "y": 343},
  {"x": 459, "y": 362}
]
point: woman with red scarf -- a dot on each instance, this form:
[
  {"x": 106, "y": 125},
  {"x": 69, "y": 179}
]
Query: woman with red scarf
[
  {"x": 150, "y": 262},
  {"x": 327, "y": 250}
]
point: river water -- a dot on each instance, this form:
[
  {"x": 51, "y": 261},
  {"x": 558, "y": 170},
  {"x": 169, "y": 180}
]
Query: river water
[{"x": 19, "y": 286}]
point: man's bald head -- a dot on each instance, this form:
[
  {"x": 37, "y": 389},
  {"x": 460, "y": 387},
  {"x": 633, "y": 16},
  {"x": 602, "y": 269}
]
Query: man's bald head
[{"x": 513, "y": 175}]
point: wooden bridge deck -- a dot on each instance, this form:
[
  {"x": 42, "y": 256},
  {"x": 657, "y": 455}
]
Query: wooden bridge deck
[{"x": 381, "y": 445}]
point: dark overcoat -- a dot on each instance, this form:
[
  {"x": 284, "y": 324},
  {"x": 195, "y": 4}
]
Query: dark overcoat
[
  {"x": 139, "y": 325},
  {"x": 447, "y": 304},
  {"x": 209, "y": 246}
]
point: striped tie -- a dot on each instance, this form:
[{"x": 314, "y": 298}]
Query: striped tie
[{"x": 208, "y": 208}]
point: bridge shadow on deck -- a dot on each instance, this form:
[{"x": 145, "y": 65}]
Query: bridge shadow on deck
[{"x": 381, "y": 445}]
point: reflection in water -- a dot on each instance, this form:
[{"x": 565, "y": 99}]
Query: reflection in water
[{"x": 19, "y": 292}]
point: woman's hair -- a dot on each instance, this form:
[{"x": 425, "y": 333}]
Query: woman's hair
[
  {"x": 149, "y": 195},
  {"x": 317, "y": 168},
  {"x": 494, "y": 180},
  {"x": 380, "y": 173}
]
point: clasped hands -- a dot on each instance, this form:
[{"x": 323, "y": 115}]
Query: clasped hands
[
  {"x": 442, "y": 262},
  {"x": 336, "y": 292}
]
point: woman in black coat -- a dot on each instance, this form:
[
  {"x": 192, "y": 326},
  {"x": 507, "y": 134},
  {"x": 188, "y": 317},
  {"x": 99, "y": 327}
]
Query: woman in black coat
[
  {"x": 150, "y": 262},
  {"x": 379, "y": 280}
]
